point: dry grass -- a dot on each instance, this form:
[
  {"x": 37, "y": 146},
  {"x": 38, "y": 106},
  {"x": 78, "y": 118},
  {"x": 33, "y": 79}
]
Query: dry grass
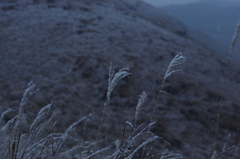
[
  {"x": 39, "y": 142},
  {"x": 16, "y": 143}
]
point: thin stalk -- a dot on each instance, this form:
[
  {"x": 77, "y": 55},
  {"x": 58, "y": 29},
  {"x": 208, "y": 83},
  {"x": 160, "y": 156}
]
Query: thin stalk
[
  {"x": 153, "y": 113},
  {"x": 177, "y": 60},
  {"x": 235, "y": 38}
]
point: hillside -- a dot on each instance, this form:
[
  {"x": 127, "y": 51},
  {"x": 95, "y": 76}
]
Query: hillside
[
  {"x": 157, "y": 16},
  {"x": 65, "y": 47}
]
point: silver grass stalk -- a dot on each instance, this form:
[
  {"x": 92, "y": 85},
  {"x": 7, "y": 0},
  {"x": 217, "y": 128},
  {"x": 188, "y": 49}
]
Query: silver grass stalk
[
  {"x": 141, "y": 100},
  {"x": 167, "y": 156},
  {"x": 114, "y": 78},
  {"x": 41, "y": 115},
  {"x": 236, "y": 153},
  {"x": 172, "y": 156},
  {"x": 4, "y": 113},
  {"x": 131, "y": 139},
  {"x": 225, "y": 151},
  {"x": 43, "y": 143},
  {"x": 6, "y": 127},
  {"x": 225, "y": 144},
  {"x": 164, "y": 153},
  {"x": 78, "y": 151},
  {"x": 97, "y": 152},
  {"x": 65, "y": 135},
  {"x": 112, "y": 82},
  {"x": 40, "y": 129},
  {"x": 214, "y": 155},
  {"x": 235, "y": 38},
  {"x": 143, "y": 144},
  {"x": 27, "y": 93},
  {"x": 178, "y": 59},
  {"x": 134, "y": 135},
  {"x": 117, "y": 144},
  {"x": 21, "y": 119}
]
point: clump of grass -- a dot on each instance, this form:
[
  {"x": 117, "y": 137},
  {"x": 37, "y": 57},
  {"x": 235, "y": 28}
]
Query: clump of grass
[
  {"x": 34, "y": 144},
  {"x": 38, "y": 144}
]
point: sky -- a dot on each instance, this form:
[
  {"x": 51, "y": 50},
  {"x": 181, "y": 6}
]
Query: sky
[
  {"x": 168, "y": 2},
  {"x": 159, "y": 3}
]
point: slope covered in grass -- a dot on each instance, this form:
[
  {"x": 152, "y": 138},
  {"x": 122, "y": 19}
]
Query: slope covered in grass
[{"x": 65, "y": 48}]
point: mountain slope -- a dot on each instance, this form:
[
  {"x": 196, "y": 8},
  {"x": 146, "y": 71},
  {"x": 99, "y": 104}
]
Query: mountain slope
[
  {"x": 65, "y": 47},
  {"x": 157, "y": 16}
]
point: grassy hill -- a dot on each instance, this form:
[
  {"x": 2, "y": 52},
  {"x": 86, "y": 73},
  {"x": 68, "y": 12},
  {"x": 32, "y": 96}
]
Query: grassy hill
[{"x": 65, "y": 47}]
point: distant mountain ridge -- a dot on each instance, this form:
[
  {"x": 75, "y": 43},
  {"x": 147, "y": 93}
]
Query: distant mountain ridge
[
  {"x": 215, "y": 17},
  {"x": 161, "y": 18},
  {"x": 157, "y": 16}
]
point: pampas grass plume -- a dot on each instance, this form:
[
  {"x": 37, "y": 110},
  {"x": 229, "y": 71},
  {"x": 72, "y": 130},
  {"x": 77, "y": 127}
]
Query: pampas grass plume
[
  {"x": 141, "y": 100},
  {"x": 41, "y": 115},
  {"x": 114, "y": 78},
  {"x": 178, "y": 59}
]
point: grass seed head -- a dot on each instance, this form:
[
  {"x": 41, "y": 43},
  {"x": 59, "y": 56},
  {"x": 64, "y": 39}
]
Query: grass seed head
[
  {"x": 114, "y": 78},
  {"x": 178, "y": 59},
  {"x": 141, "y": 100}
]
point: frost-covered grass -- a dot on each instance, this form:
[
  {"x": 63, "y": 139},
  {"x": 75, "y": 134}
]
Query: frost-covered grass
[
  {"x": 16, "y": 143},
  {"x": 39, "y": 142}
]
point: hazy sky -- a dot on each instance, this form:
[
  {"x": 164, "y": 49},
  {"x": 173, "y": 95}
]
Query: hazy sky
[{"x": 168, "y": 2}]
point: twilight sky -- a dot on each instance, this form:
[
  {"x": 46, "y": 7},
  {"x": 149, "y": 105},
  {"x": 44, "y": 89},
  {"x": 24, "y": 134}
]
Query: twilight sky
[
  {"x": 159, "y": 3},
  {"x": 168, "y": 2}
]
